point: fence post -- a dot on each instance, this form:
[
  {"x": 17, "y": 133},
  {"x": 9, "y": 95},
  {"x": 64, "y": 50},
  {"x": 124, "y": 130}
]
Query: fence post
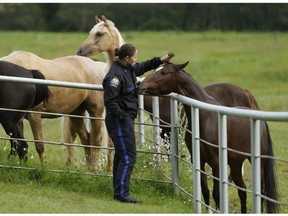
[
  {"x": 141, "y": 127},
  {"x": 156, "y": 128},
  {"x": 196, "y": 159},
  {"x": 174, "y": 145},
  {"x": 256, "y": 165},
  {"x": 222, "y": 134}
]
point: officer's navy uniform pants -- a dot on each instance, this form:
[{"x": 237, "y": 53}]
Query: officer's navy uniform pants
[{"x": 122, "y": 133}]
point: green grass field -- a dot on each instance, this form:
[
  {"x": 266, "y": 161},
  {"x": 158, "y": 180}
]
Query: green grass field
[{"x": 256, "y": 61}]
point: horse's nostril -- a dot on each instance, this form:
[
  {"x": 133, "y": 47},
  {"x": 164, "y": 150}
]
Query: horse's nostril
[
  {"x": 79, "y": 51},
  {"x": 82, "y": 52},
  {"x": 141, "y": 90}
]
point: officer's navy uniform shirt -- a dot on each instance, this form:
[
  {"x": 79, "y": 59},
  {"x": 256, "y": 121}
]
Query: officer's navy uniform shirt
[{"x": 120, "y": 96}]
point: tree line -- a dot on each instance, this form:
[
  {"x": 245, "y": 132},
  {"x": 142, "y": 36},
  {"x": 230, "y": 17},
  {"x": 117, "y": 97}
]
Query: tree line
[{"x": 76, "y": 17}]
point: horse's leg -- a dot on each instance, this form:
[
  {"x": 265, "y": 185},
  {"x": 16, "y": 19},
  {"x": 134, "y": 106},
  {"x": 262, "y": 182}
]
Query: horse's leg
[
  {"x": 13, "y": 142},
  {"x": 262, "y": 184},
  {"x": 22, "y": 147},
  {"x": 97, "y": 130},
  {"x": 19, "y": 147},
  {"x": 110, "y": 155},
  {"x": 230, "y": 177},
  {"x": 79, "y": 126},
  {"x": 238, "y": 180},
  {"x": 36, "y": 127},
  {"x": 204, "y": 187},
  {"x": 216, "y": 195},
  {"x": 99, "y": 135},
  {"x": 68, "y": 136}
]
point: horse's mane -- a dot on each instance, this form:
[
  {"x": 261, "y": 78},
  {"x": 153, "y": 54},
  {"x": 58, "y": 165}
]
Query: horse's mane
[
  {"x": 185, "y": 74},
  {"x": 121, "y": 40},
  {"x": 186, "y": 79}
]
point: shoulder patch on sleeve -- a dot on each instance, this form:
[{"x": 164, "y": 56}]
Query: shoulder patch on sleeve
[{"x": 114, "y": 82}]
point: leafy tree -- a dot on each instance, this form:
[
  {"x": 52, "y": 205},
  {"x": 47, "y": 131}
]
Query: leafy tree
[{"x": 145, "y": 16}]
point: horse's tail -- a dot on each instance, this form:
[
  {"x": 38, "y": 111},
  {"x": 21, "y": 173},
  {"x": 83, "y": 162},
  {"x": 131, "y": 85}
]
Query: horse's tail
[
  {"x": 252, "y": 101},
  {"x": 270, "y": 181},
  {"x": 42, "y": 91},
  {"x": 106, "y": 142}
]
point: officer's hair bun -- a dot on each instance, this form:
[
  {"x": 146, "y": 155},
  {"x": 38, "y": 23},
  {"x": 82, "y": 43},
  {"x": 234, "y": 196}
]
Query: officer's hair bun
[
  {"x": 125, "y": 50},
  {"x": 117, "y": 52}
]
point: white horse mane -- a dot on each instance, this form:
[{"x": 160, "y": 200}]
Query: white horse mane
[
  {"x": 159, "y": 68},
  {"x": 140, "y": 79},
  {"x": 121, "y": 40}
]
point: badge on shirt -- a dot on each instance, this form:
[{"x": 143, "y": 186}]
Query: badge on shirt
[{"x": 114, "y": 82}]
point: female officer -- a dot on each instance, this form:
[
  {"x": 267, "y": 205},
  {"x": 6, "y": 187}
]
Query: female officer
[{"x": 121, "y": 101}]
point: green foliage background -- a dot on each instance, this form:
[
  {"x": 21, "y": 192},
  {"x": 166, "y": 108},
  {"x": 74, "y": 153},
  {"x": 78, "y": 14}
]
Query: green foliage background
[{"x": 146, "y": 16}]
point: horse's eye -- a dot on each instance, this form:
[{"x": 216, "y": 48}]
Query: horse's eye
[
  {"x": 163, "y": 72},
  {"x": 99, "y": 34}
]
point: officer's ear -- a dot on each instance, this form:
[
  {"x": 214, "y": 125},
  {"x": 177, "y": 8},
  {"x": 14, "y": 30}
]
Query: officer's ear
[{"x": 127, "y": 58}]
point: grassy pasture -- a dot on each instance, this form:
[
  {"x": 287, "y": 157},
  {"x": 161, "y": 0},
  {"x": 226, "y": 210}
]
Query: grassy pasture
[{"x": 256, "y": 61}]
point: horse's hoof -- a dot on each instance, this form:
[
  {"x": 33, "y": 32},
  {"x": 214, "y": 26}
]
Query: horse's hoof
[
  {"x": 25, "y": 158},
  {"x": 12, "y": 154}
]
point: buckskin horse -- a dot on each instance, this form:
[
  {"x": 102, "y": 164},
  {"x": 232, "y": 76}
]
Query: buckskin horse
[
  {"x": 20, "y": 96},
  {"x": 69, "y": 100},
  {"x": 172, "y": 78}
]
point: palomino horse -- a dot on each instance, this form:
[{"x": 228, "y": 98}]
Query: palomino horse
[
  {"x": 105, "y": 37},
  {"x": 21, "y": 96},
  {"x": 69, "y": 100},
  {"x": 172, "y": 78}
]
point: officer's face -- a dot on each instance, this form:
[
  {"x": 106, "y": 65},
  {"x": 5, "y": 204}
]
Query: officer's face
[{"x": 131, "y": 60}]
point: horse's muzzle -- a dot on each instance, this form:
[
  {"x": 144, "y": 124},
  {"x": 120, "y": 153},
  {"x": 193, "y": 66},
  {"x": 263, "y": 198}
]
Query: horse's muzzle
[
  {"x": 81, "y": 52},
  {"x": 141, "y": 90}
]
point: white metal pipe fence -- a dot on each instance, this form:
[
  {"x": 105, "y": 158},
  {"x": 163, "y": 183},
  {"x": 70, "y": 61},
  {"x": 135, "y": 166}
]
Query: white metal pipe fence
[
  {"x": 222, "y": 112},
  {"x": 69, "y": 85}
]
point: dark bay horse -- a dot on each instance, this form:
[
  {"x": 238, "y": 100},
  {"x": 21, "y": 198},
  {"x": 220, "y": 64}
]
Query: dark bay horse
[
  {"x": 105, "y": 37},
  {"x": 21, "y": 96},
  {"x": 227, "y": 94},
  {"x": 172, "y": 78}
]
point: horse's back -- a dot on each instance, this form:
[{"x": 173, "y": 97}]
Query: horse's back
[
  {"x": 24, "y": 59},
  {"x": 231, "y": 95},
  {"x": 68, "y": 68}
]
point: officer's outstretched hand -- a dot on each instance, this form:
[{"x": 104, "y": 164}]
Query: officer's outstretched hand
[{"x": 167, "y": 57}]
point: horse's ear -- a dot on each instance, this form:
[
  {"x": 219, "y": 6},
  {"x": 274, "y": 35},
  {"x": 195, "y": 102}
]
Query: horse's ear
[
  {"x": 105, "y": 20},
  {"x": 182, "y": 66},
  {"x": 97, "y": 19}
]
